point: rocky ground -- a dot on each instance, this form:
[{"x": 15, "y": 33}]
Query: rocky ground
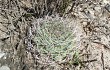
[{"x": 92, "y": 20}]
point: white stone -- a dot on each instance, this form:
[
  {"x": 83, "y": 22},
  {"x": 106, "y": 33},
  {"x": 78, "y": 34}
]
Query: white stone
[
  {"x": 106, "y": 1},
  {"x": 1, "y": 54},
  {"x": 4, "y": 68}
]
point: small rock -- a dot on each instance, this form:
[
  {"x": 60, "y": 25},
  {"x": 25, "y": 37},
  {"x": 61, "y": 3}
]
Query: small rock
[
  {"x": 107, "y": 7},
  {"x": 1, "y": 54},
  {"x": 4, "y": 68},
  {"x": 106, "y": 1}
]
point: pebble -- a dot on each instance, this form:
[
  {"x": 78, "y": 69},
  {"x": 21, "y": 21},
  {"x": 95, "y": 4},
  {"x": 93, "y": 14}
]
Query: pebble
[{"x": 4, "y": 68}]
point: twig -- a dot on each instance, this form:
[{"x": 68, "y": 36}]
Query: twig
[
  {"x": 73, "y": 4},
  {"x": 89, "y": 61},
  {"x": 2, "y": 30},
  {"x": 3, "y": 39},
  {"x": 105, "y": 46},
  {"x": 102, "y": 58},
  {"x": 10, "y": 10}
]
